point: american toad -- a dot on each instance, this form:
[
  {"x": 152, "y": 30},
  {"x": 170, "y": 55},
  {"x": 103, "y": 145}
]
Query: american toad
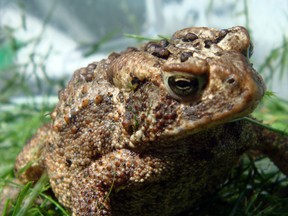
[{"x": 150, "y": 131}]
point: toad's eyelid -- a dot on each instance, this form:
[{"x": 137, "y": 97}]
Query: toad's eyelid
[{"x": 197, "y": 68}]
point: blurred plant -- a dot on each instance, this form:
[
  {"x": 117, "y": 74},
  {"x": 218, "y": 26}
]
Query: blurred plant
[
  {"x": 18, "y": 78},
  {"x": 276, "y": 62}
]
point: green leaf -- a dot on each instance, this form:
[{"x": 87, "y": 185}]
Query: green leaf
[{"x": 23, "y": 193}]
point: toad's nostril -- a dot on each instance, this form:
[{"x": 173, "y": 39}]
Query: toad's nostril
[{"x": 231, "y": 80}]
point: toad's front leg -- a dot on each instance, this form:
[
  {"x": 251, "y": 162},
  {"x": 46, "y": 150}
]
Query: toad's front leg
[
  {"x": 274, "y": 145},
  {"x": 91, "y": 187}
]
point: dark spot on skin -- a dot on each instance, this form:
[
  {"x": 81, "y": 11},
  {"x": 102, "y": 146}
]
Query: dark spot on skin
[
  {"x": 91, "y": 66},
  {"x": 110, "y": 95},
  {"x": 157, "y": 50},
  {"x": 87, "y": 73},
  {"x": 164, "y": 43},
  {"x": 135, "y": 81},
  {"x": 184, "y": 56},
  {"x": 161, "y": 53},
  {"x": 95, "y": 157},
  {"x": 208, "y": 43},
  {"x": 190, "y": 37},
  {"x": 222, "y": 34},
  {"x": 68, "y": 162}
]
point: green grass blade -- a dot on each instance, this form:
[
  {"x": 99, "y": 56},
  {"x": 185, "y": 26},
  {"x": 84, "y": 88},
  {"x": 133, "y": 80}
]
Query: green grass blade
[{"x": 20, "y": 199}]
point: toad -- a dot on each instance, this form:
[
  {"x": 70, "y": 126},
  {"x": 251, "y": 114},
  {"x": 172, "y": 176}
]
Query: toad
[{"x": 152, "y": 130}]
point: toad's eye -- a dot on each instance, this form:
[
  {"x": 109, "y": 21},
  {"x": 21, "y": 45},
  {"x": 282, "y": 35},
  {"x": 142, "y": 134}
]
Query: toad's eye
[
  {"x": 184, "y": 86},
  {"x": 249, "y": 52}
]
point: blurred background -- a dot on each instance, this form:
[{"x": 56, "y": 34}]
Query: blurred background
[{"x": 43, "y": 42}]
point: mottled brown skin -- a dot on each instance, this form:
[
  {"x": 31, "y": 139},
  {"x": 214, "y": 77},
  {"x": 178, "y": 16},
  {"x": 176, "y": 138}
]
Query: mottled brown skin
[{"x": 150, "y": 131}]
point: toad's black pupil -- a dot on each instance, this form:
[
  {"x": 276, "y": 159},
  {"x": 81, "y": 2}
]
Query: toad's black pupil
[{"x": 183, "y": 84}]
